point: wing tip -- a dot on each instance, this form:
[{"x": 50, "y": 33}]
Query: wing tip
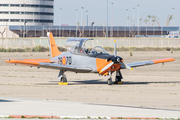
[
  {"x": 8, "y": 61},
  {"x": 163, "y": 60}
]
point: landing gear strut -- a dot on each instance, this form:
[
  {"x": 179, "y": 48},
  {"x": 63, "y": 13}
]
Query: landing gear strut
[
  {"x": 118, "y": 77},
  {"x": 62, "y": 77},
  {"x": 110, "y": 81}
]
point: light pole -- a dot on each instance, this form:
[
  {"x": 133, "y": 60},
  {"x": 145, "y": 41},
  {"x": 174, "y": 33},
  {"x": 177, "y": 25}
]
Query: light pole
[
  {"x": 127, "y": 17},
  {"x": 33, "y": 18},
  {"x": 60, "y": 16},
  {"x": 24, "y": 20},
  {"x": 25, "y": 27},
  {"x": 82, "y": 15},
  {"x": 107, "y": 21},
  {"x": 76, "y": 21},
  {"x": 60, "y": 22},
  {"x": 133, "y": 17},
  {"x": 138, "y": 20},
  {"x": 112, "y": 22},
  {"x": 128, "y": 21},
  {"x": 87, "y": 17},
  {"x": 173, "y": 18}
]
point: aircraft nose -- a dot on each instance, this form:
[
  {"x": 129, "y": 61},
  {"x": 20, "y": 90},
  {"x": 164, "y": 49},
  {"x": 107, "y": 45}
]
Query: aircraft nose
[{"x": 117, "y": 59}]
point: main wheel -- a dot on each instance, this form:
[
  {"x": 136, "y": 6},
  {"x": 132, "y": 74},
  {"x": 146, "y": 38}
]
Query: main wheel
[
  {"x": 116, "y": 81},
  {"x": 63, "y": 79},
  {"x": 110, "y": 81}
]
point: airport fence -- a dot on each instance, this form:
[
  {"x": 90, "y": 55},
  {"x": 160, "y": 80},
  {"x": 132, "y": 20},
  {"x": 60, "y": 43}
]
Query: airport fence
[{"x": 104, "y": 42}]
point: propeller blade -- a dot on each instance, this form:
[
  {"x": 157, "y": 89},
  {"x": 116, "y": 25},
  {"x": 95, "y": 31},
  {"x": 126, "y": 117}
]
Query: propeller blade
[
  {"x": 106, "y": 67},
  {"x": 125, "y": 66},
  {"x": 128, "y": 67},
  {"x": 115, "y": 52}
]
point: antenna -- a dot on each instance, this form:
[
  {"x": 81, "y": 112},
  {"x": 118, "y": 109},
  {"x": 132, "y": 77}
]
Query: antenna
[{"x": 115, "y": 52}]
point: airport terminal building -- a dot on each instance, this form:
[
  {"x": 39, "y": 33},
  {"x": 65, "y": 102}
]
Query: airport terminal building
[
  {"x": 35, "y": 12},
  {"x": 25, "y": 12},
  {"x": 94, "y": 31}
]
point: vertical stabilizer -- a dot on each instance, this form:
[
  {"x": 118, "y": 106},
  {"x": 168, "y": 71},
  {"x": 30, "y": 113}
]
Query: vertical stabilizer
[{"x": 52, "y": 46}]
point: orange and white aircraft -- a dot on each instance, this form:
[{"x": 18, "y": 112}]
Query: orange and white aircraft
[{"x": 80, "y": 60}]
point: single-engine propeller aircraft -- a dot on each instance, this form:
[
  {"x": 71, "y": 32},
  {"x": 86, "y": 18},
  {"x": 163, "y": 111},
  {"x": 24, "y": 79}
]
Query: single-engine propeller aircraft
[{"x": 81, "y": 60}]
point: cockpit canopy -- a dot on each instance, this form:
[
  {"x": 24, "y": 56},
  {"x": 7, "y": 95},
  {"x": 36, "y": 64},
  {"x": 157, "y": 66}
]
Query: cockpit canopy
[{"x": 77, "y": 46}]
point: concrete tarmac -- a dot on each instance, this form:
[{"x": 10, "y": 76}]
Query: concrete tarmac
[
  {"x": 17, "y": 106},
  {"x": 149, "y": 91}
]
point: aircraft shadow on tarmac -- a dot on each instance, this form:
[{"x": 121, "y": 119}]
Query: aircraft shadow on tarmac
[
  {"x": 99, "y": 81},
  {"x": 124, "y": 82}
]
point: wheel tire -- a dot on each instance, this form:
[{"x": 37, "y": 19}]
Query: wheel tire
[
  {"x": 116, "y": 81},
  {"x": 118, "y": 78},
  {"x": 110, "y": 81},
  {"x": 63, "y": 79}
]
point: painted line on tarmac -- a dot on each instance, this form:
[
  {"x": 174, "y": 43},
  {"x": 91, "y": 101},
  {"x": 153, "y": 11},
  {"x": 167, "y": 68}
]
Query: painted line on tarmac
[{"x": 4, "y": 116}]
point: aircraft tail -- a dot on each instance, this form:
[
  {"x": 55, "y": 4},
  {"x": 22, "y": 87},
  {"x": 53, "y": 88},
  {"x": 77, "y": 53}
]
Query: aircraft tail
[{"x": 52, "y": 46}]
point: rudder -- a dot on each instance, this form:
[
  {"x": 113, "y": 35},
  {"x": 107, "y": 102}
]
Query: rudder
[{"x": 52, "y": 46}]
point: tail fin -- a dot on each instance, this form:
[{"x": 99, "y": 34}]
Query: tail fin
[{"x": 52, "y": 46}]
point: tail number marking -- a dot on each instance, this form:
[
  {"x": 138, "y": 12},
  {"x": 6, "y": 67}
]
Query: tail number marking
[{"x": 65, "y": 60}]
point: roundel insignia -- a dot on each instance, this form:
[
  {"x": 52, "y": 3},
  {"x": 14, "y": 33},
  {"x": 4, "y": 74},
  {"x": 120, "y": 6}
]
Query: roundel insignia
[{"x": 64, "y": 60}]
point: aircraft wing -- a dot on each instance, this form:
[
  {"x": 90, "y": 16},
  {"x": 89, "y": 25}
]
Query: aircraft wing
[
  {"x": 46, "y": 63},
  {"x": 151, "y": 62}
]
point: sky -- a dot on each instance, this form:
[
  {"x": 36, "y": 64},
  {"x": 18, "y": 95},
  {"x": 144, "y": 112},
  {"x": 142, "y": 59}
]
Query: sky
[{"x": 117, "y": 14}]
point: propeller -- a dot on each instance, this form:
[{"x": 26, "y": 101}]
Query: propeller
[
  {"x": 115, "y": 60},
  {"x": 119, "y": 60}
]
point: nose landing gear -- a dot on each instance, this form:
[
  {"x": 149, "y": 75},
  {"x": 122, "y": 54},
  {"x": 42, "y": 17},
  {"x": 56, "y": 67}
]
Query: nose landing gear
[{"x": 110, "y": 81}]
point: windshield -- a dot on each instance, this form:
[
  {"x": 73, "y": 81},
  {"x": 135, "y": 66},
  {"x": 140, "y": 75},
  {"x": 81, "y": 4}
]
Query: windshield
[
  {"x": 77, "y": 45},
  {"x": 97, "y": 50},
  {"x": 77, "y": 49}
]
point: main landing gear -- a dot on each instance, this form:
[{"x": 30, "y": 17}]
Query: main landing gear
[
  {"x": 62, "y": 78},
  {"x": 117, "y": 78}
]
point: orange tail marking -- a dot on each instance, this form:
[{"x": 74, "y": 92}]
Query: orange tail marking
[{"x": 54, "y": 49}]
